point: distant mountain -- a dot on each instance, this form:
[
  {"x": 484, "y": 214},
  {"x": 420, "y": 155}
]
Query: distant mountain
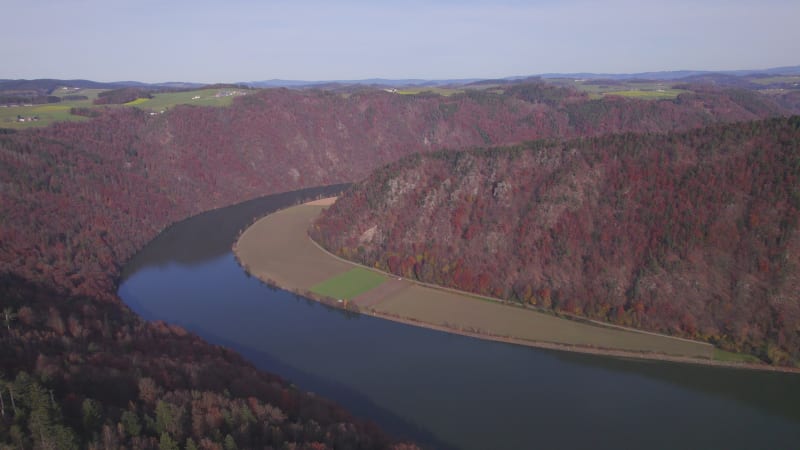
[
  {"x": 165, "y": 85},
  {"x": 47, "y": 85},
  {"x": 665, "y": 75},
  {"x": 674, "y": 74},
  {"x": 365, "y": 82}
]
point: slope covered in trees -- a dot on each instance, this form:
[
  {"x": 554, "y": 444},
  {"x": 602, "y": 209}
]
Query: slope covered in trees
[
  {"x": 88, "y": 374},
  {"x": 692, "y": 234},
  {"x": 78, "y": 199}
]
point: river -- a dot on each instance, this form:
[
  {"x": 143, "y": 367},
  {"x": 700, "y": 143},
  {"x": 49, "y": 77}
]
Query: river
[{"x": 442, "y": 390}]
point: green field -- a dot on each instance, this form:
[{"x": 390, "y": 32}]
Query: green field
[
  {"x": 64, "y": 91},
  {"x": 644, "y": 90},
  {"x": 445, "y": 92},
  {"x": 205, "y": 97},
  {"x": 47, "y": 114},
  {"x": 57, "y": 112},
  {"x": 776, "y": 79},
  {"x": 648, "y": 95},
  {"x": 349, "y": 284}
]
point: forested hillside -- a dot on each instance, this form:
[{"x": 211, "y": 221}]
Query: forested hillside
[
  {"x": 692, "y": 234},
  {"x": 78, "y": 199},
  {"x": 90, "y": 374}
]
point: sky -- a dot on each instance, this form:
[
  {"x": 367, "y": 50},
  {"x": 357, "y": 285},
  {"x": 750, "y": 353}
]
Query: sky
[{"x": 247, "y": 40}]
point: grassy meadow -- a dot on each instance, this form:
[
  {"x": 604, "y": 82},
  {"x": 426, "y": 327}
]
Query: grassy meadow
[
  {"x": 201, "y": 97},
  {"x": 658, "y": 94},
  {"x": 789, "y": 79},
  {"x": 48, "y": 113},
  {"x": 58, "y": 112},
  {"x": 639, "y": 89},
  {"x": 350, "y": 284},
  {"x": 445, "y": 92}
]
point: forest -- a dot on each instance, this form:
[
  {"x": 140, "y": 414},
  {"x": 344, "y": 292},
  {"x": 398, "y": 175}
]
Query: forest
[
  {"x": 78, "y": 199},
  {"x": 80, "y": 373},
  {"x": 693, "y": 234}
]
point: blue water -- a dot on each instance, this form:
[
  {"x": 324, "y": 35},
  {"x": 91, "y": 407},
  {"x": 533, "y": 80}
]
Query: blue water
[{"x": 450, "y": 391}]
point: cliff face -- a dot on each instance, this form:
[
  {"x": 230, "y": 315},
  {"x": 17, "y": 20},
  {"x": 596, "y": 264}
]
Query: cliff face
[{"x": 694, "y": 234}]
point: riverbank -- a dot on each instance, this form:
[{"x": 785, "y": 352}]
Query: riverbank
[{"x": 277, "y": 250}]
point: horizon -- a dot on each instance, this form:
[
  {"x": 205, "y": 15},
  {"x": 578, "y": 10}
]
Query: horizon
[
  {"x": 242, "y": 41},
  {"x": 357, "y": 80}
]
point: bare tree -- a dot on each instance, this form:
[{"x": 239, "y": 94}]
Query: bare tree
[
  {"x": 11, "y": 394},
  {"x": 9, "y": 316}
]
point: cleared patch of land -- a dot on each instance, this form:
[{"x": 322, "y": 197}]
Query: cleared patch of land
[
  {"x": 350, "y": 284},
  {"x": 648, "y": 94},
  {"x": 466, "y": 313},
  {"x": 40, "y": 115},
  {"x": 788, "y": 79},
  {"x": 640, "y": 89},
  {"x": 50, "y": 112},
  {"x": 202, "y": 97},
  {"x": 46, "y": 114},
  {"x": 446, "y": 92},
  {"x": 277, "y": 249},
  {"x": 323, "y": 202},
  {"x": 373, "y": 297}
]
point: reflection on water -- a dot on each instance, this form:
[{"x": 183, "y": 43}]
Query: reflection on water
[
  {"x": 772, "y": 391},
  {"x": 211, "y": 234},
  {"x": 449, "y": 390}
]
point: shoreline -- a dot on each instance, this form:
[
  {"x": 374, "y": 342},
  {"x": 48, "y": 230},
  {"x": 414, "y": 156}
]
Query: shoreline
[{"x": 481, "y": 334}]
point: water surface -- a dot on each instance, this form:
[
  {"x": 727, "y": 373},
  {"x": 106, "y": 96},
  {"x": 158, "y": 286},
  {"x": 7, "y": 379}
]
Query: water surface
[{"x": 444, "y": 390}]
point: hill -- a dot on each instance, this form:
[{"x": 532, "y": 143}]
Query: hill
[
  {"x": 80, "y": 198},
  {"x": 89, "y": 374},
  {"x": 692, "y": 234},
  {"x": 77, "y": 199}
]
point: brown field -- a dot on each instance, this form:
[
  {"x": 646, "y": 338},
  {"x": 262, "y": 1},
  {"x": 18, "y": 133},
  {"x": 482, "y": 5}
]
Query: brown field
[
  {"x": 322, "y": 202},
  {"x": 277, "y": 249},
  {"x": 389, "y": 289},
  {"x": 486, "y": 317}
]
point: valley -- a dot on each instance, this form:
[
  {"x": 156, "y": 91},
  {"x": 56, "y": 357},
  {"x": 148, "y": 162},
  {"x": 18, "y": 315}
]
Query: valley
[
  {"x": 79, "y": 198},
  {"x": 277, "y": 250},
  {"x": 422, "y": 384}
]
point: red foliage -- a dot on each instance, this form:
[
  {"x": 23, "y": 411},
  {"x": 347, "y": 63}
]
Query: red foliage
[
  {"x": 78, "y": 199},
  {"x": 694, "y": 234}
]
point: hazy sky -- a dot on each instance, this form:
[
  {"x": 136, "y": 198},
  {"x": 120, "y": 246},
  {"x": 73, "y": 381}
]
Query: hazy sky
[{"x": 247, "y": 40}]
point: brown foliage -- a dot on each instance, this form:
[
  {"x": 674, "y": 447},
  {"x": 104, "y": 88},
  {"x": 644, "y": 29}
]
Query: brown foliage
[
  {"x": 78, "y": 199},
  {"x": 693, "y": 234}
]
